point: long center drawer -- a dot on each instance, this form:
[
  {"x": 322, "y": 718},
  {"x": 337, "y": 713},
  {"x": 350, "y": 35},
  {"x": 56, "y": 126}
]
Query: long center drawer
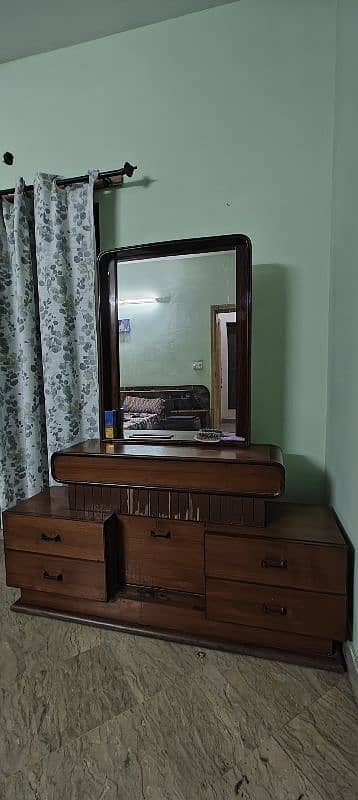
[{"x": 163, "y": 553}]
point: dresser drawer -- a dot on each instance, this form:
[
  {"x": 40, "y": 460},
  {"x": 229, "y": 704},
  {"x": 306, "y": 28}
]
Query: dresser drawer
[
  {"x": 290, "y": 610},
  {"x": 163, "y": 553},
  {"x": 58, "y": 537},
  {"x": 64, "y": 576},
  {"x": 277, "y": 563}
]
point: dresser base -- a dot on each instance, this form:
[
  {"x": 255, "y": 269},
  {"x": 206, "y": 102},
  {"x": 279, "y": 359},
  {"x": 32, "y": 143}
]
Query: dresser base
[
  {"x": 287, "y": 648},
  {"x": 219, "y": 570}
]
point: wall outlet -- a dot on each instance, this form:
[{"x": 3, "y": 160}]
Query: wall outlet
[{"x": 197, "y": 365}]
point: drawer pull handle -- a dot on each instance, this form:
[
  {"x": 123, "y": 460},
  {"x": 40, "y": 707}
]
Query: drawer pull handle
[
  {"x": 269, "y": 563},
  {"x": 47, "y": 577},
  {"x": 274, "y": 610},
  {"x": 46, "y": 538},
  {"x": 158, "y": 535}
]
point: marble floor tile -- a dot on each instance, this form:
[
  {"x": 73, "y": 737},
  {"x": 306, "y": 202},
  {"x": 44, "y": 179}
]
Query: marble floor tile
[
  {"x": 181, "y": 745},
  {"x": 260, "y": 683},
  {"x": 273, "y": 676},
  {"x": 167, "y": 748},
  {"x": 323, "y": 743},
  {"x": 150, "y": 665},
  {"x": 38, "y": 714},
  {"x": 32, "y": 644},
  {"x": 89, "y": 714},
  {"x": 206, "y": 658},
  {"x": 267, "y": 774},
  {"x": 183, "y": 736},
  {"x": 68, "y": 782}
]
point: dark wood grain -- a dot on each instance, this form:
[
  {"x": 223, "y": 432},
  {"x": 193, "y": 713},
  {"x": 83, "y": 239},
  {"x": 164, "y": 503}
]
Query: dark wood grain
[
  {"x": 273, "y": 608},
  {"x": 71, "y": 502},
  {"x": 277, "y": 563},
  {"x": 83, "y": 579},
  {"x": 55, "y": 503},
  {"x": 57, "y": 537},
  {"x": 263, "y": 454},
  {"x": 260, "y": 473},
  {"x": 291, "y": 522},
  {"x": 108, "y": 340},
  {"x": 114, "y": 564},
  {"x": 310, "y": 523},
  {"x": 294, "y": 602},
  {"x": 163, "y": 553}
]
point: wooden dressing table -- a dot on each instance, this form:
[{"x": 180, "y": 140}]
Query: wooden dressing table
[
  {"x": 179, "y": 539},
  {"x": 184, "y": 544}
]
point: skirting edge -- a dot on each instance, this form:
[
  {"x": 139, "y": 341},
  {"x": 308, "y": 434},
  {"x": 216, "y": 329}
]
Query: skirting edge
[{"x": 352, "y": 667}]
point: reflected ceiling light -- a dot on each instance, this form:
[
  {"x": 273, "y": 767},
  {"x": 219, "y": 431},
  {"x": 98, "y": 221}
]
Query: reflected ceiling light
[
  {"x": 137, "y": 300},
  {"x": 143, "y": 300}
]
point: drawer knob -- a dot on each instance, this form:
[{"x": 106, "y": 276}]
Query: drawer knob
[
  {"x": 274, "y": 610},
  {"x": 46, "y": 538},
  {"x": 269, "y": 563},
  {"x": 160, "y": 535},
  {"x": 48, "y": 577}
]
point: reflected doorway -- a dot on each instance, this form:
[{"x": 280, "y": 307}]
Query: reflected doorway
[{"x": 224, "y": 361}]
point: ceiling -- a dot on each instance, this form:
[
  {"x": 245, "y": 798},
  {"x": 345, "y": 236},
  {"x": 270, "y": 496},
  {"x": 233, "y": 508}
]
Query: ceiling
[{"x": 37, "y": 26}]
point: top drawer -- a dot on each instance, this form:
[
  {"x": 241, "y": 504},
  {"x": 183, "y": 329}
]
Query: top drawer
[
  {"x": 257, "y": 471},
  {"x": 57, "y": 537},
  {"x": 276, "y": 563},
  {"x": 163, "y": 553}
]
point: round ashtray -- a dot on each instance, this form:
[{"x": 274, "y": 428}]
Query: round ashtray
[{"x": 208, "y": 435}]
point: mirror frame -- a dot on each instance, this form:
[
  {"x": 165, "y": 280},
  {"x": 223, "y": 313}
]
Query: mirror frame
[{"x": 107, "y": 319}]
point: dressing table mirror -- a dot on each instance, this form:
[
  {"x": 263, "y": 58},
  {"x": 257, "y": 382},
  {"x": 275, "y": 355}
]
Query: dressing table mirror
[{"x": 174, "y": 323}]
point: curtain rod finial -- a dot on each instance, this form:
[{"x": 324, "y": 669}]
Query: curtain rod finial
[
  {"x": 8, "y": 158},
  {"x": 128, "y": 169}
]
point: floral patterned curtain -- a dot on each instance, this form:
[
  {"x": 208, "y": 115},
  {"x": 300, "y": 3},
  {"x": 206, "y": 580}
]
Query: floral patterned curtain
[
  {"x": 48, "y": 353},
  {"x": 23, "y": 447},
  {"x": 65, "y": 251}
]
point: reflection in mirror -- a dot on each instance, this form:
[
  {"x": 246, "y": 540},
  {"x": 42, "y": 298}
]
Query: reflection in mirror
[{"x": 177, "y": 344}]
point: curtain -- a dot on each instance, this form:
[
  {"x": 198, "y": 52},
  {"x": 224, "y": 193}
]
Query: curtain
[
  {"x": 23, "y": 447},
  {"x": 48, "y": 352},
  {"x": 65, "y": 250}
]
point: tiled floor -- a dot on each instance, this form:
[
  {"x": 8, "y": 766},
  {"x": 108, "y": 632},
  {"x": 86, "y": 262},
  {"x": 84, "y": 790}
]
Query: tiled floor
[{"x": 87, "y": 714}]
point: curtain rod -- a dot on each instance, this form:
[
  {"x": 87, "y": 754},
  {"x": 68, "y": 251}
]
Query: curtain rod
[{"x": 105, "y": 180}]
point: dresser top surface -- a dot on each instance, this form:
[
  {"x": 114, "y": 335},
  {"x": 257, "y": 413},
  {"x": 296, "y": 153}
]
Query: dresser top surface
[
  {"x": 55, "y": 502},
  {"x": 285, "y": 521},
  {"x": 264, "y": 454},
  {"x": 296, "y": 522}
]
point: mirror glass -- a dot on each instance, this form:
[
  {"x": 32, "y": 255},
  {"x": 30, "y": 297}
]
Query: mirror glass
[{"x": 177, "y": 344}]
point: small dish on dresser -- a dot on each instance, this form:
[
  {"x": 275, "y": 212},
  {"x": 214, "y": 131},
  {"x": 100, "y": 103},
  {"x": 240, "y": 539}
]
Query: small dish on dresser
[{"x": 208, "y": 435}]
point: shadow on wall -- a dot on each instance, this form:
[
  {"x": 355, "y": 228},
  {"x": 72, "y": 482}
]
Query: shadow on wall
[
  {"x": 108, "y": 201},
  {"x": 269, "y": 357},
  {"x": 305, "y": 481},
  {"x": 109, "y": 210}
]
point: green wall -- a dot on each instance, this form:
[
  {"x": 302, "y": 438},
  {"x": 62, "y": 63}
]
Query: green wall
[
  {"x": 166, "y": 337},
  {"x": 342, "y": 421},
  {"x": 229, "y": 112}
]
